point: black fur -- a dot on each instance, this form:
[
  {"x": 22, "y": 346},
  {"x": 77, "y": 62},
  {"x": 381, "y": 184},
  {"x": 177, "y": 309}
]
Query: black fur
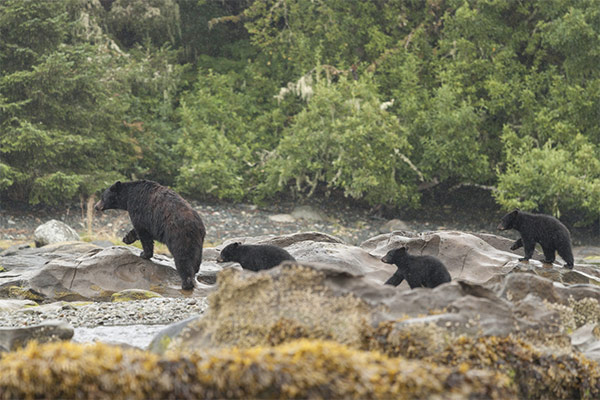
[
  {"x": 254, "y": 257},
  {"x": 546, "y": 230},
  {"x": 419, "y": 271},
  {"x": 158, "y": 213}
]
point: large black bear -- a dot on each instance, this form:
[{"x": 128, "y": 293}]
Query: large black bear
[
  {"x": 546, "y": 230},
  {"x": 158, "y": 213},
  {"x": 254, "y": 257},
  {"x": 419, "y": 271}
]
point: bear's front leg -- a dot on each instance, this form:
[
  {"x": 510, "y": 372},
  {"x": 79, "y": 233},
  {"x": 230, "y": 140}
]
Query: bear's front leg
[
  {"x": 131, "y": 237},
  {"x": 517, "y": 245},
  {"x": 147, "y": 244},
  {"x": 395, "y": 280},
  {"x": 529, "y": 246}
]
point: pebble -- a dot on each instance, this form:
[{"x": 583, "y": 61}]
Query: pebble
[{"x": 153, "y": 311}]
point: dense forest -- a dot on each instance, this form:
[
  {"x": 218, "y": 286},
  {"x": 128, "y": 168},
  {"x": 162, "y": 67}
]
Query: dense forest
[{"x": 246, "y": 100}]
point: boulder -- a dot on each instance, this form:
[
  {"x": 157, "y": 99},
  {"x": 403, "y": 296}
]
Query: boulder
[
  {"x": 308, "y": 213},
  {"x": 54, "y": 231}
]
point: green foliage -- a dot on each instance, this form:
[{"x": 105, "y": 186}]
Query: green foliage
[
  {"x": 212, "y": 146},
  {"x": 345, "y": 140},
  {"x": 550, "y": 178},
  {"x": 198, "y": 94}
]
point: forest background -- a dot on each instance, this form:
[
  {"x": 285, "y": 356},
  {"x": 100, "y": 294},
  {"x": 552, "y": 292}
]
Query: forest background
[{"x": 380, "y": 101}]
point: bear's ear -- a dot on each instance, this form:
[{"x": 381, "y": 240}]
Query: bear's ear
[
  {"x": 236, "y": 244},
  {"x": 116, "y": 187},
  {"x": 402, "y": 250}
]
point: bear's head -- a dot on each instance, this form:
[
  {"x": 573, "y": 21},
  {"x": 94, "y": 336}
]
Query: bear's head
[
  {"x": 395, "y": 255},
  {"x": 112, "y": 198},
  {"x": 508, "y": 220},
  {"x": 229, "y": 253}
]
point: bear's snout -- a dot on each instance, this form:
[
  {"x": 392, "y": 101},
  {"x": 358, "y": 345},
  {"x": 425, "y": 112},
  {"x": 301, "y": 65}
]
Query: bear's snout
[
  {"x": 386, "y": 259},
  {"x": 220, "y": 259},
  {"x": 501, "y": 227},
  {"x": 99, "y": 206}
]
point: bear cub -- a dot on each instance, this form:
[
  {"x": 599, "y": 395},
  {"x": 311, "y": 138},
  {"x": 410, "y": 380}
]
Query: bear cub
[
  {"x": 546, "y": 230},
  {"x": 158, "y": 213},
  {"x": 419, "y": 271},
  {"x": 254, "y": 257}
]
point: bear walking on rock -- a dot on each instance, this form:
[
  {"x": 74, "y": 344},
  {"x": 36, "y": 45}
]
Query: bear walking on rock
[
  {"x": 158, "y": 213},
  {"x": 254, "y": 257},
  {"x": 419, "y": 271},
  {"x": 546, "y": 230}
]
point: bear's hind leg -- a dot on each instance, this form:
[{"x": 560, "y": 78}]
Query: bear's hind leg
[
  {"x": 549, "y": 254},
  {"x": 567, "y": 254},
  {"x": 186, "y": 267}
]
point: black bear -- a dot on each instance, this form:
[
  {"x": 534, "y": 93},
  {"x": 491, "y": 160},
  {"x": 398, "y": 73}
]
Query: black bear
[
  {"x": 546, "y": 230},
  {"x": 158, "y": 213},
  {"x": 254, "y": 257},
  {"x": 419, "y": 271}
]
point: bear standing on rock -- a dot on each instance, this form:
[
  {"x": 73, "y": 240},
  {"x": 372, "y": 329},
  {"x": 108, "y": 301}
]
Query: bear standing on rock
[
  {"x": 546, "y": 230},
  {"x": 254, "y": 257},
  {"x": 419, "y": 271},
  {"x": 158, "y": 213}
]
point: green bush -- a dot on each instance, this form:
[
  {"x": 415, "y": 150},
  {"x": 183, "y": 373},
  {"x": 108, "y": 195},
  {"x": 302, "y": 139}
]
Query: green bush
[{"x": 343, "y": 140}]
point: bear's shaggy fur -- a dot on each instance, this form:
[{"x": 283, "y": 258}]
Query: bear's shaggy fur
[
  {"x": 546, "y": 230},
  {"x": 419, "y": 271},
  {"x": 158, "y": 213},
  {"x": 254, "y": 257}
]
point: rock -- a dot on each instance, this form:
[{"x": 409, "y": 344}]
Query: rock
[
  {"x": 163, "y": 339},
  {"x": 49, "y": 331},
  {"x": 15, "y": 304},
  {"x": 308, "y": 213},
  {"x": 54, "y": 231},
  {"x": 394, "y": 225},
  {"x": 82, "y": 271},
  {"x": 283, "y": 218},
  {"x": 133, "y": 294},
  {"x": 586, "y": 339},
  {"x": 315, "y": 247}
]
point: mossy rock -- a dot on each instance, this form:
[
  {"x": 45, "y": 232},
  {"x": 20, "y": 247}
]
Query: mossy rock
[{"x": 133, "y": 294}]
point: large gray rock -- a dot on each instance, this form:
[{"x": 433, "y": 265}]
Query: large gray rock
[
  {"x": 54, "y": 231},
  {"x": 314, "y": 248},
  {"x": 80, "y": 271}
]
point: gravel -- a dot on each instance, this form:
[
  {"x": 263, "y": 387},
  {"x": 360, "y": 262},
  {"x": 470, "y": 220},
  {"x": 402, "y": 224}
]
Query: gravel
[{"x": 154, "y": 311}]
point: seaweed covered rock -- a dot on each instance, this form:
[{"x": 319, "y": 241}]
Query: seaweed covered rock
[
  {"x": 250, "y": 309},
  {"x": 301, "y": 369}
]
